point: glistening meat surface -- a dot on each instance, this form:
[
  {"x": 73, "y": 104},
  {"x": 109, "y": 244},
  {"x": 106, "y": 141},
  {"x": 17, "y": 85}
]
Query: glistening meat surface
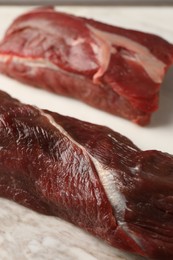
[
  {"x": 88, "y": 175},
  {"x": 110, "y": 68}
]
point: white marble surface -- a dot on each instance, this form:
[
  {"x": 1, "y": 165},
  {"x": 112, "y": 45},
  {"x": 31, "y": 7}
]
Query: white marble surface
[{"x": 27, "y": 235}]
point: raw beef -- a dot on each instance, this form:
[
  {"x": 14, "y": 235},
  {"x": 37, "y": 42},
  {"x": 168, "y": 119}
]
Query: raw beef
[
  {"x": 88, "y": 175},
  {"x": 110, "y": 68}
]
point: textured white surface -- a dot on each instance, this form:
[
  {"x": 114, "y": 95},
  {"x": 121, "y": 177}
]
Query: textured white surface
[{"x": 27, "y": 235}]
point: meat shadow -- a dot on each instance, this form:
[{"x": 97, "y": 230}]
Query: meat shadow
[{"x": 164, "y": 115}]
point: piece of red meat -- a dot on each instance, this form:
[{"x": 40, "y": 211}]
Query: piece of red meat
[
  {"x": 88, "y": 175},
  {"x": 110, "y": 68}
]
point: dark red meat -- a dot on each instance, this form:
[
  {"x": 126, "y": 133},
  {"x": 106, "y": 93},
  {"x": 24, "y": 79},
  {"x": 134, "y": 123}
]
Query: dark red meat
[
  {"x": 114, "y": 69},
  {"x": 88, "y": 175}
]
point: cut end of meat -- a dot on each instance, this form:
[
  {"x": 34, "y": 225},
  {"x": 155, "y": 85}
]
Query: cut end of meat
[{"x": 142, "y": 120}]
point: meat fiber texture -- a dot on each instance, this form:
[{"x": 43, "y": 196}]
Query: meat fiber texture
[
  {"x": 88, "y": 175},
  {"x": 110, "y": 68}
]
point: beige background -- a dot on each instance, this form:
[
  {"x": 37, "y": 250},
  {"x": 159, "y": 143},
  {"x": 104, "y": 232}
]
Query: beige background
[{"x": 90, "y": 2}]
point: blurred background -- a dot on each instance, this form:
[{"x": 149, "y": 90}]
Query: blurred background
[{"x": 87, "y": 2}]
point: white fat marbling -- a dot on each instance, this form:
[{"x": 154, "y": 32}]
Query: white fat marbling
[
  {"x": 151, "y": 64},
  {"x": 105, "y": 173},
  {"x": 36, "y": 63}
]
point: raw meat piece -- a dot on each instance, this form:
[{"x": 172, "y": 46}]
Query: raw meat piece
[
  {"x": 88, "y": 175},
  {"x": 110, "y": 68}
]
